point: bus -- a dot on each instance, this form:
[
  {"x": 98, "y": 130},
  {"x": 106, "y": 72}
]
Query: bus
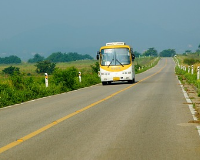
[{"x": 116, "y": 63}]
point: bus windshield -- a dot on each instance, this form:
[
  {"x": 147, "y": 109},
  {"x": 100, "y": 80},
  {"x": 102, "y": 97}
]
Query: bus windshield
[{"x": 115, "y": 57}]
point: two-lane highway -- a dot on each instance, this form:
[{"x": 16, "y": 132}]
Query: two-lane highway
[{"x": 147, "y": 120}]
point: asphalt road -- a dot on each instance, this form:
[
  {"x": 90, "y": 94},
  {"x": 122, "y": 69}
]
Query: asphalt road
[{"x": 147, "y": 120}]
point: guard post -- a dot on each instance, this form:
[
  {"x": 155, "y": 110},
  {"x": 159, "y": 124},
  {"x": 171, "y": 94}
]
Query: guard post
[
  {"x": 46, "y": 79},
  {"x": 188, "y": 69},
  {"x": 192, "y": 71},
  {"x": 79, "y": 76}
]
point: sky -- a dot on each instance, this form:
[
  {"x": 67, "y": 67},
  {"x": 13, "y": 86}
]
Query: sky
[{"x": 28, "y": 27}]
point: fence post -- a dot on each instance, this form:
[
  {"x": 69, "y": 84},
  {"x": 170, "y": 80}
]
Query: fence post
[
  {"x": 198, "y": 73},
  {"x": 46, "y": 79}
]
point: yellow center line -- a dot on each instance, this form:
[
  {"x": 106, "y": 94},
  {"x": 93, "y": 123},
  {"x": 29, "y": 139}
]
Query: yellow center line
[{"x": 21, "y": 140}]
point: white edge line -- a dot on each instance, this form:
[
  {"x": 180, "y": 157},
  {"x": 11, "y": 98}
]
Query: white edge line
[{"x": 192, "y": 110}]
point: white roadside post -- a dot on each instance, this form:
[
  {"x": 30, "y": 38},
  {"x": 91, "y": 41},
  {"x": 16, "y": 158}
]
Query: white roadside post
[
  {"x": 192, "y": 71},
  {"x": 46, "y": 79},
  {"x": 188, "y": 69},
  {"x": 198, "y": 72},
  {"x": 79, "y": 76}
]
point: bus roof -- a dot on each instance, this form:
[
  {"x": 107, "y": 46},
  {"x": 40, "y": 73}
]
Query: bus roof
[{"x": 115, "y": 43}]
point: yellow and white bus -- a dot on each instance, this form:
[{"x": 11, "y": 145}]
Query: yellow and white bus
[{"x": 116, "y": 63}]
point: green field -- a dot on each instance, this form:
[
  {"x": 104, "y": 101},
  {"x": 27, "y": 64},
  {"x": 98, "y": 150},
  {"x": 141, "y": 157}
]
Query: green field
[
  {"x": 30, "y": 67},
  {"x": 82, "y": 65}
]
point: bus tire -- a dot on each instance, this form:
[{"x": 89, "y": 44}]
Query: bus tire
[
  {"x": 131, "y": 81},
  {"x": 104, "y": 83}
]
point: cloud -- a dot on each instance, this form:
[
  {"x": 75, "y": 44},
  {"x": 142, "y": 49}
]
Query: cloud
[
  {"x": 4, "y": 54},
  {"x": 190, "y": 46}
]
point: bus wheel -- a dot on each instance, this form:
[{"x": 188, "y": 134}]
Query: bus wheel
[
  {"x": 104, "y": 83},
  {"x": 130, "y": 81}
]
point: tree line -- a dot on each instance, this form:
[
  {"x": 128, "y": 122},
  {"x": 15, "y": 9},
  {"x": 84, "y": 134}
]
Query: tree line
[
  {"x": 165, "y": 53},
  {"x": 10, "y": 60},
  {"x": 60, "y": 57},
  {"x": 54, "y": 57},
  {"x": 73, "y": 56},
  {"x": 153, "y": 52}
]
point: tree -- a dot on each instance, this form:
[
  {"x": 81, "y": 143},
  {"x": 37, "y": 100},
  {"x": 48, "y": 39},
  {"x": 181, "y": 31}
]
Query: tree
[
  {"x": 168, "y": 53},
  {"x": 188, "y": 51},
  {"x": 151, "y": 52},
  {"x": 56, "y": 57},
  {"x": 137, "y": 54},
  {"x": 10, "y": 60},
  {"x": 63, "y": 57},
  {"x": 36, "y": 58},
  {"x": 11, "y": 70},
  {"x": 45, "y": 67},
  {"x": 198, "y": 50}
]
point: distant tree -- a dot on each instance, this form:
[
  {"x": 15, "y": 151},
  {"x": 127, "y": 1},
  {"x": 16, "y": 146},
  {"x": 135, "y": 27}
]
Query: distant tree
[
  {"x": 151, "y": 52},
  {"x": 45, "y": 67},
  {"x": 188, "y": 51},
  {"x": 63, "y": 57},
  {"x": 168, "y": 53},
  {"x": 10, "y": 60},
  {"x": 198, "y": 50},
  {"x": 11, "y": 70},
  {"x": 137, "y": 54},
  {"x": 36, "y": 58},
  {"x": 56, "y": 57}
]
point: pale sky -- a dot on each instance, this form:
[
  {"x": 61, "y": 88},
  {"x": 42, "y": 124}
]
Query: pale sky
[{"x": 45, "y": 26}]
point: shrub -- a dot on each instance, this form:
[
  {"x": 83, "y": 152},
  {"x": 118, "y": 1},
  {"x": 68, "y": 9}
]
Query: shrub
[
  {"x": 190, "y": 61},
  {"x": 45, "y": 67},
  {"x": 66, "y": 77},
  {"x": 95, "y": 67},
  {"x": 11, "y": 70}
]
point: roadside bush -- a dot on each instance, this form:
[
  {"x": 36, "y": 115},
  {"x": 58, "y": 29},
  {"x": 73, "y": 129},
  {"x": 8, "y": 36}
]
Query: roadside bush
[
  {"x": 17, "y": 81},
  {"x": 137, "y": 66},
  {"x": 66, "y": 78},
  {"x": 90, "y": 79},
  {"x": 95, "y": 67}
]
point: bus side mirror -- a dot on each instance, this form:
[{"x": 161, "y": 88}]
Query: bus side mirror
[
  {"x": 133, "y": 57},
  {"x": 98, "y": 55}
]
